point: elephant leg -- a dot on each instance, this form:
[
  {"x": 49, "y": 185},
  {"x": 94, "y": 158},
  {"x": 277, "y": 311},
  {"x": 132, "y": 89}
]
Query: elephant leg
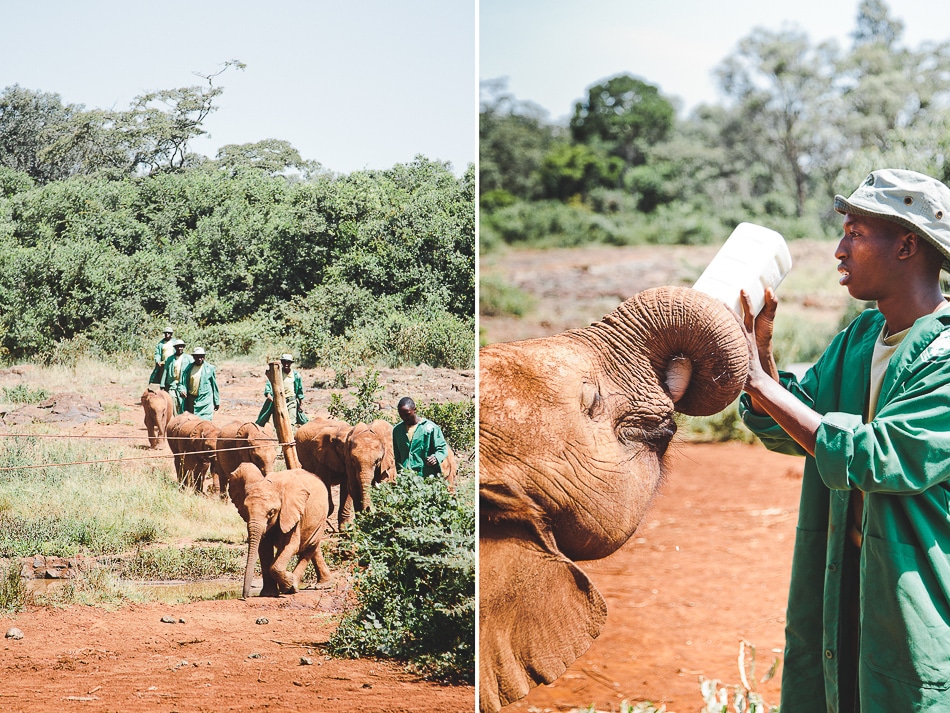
[
  {"x": 345, "y": 516},
  {"x": 179, "y": 466},
  {"x": 266, "y": 554},
  {"x": 286, "y": 582},
  {"x": 320, "y": 564}
]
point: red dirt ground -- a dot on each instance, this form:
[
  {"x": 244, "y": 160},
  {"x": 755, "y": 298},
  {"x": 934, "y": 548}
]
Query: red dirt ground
[
  {"x": 219, "y": 659},
  {"x": 707, "y": 569}
]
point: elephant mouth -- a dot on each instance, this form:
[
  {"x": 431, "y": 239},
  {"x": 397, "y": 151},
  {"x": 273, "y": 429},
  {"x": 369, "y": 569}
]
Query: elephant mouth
[{"x": 655, "y": 436}]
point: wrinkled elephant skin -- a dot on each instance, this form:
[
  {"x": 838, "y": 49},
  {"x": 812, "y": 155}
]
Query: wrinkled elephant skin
[
  {"x": 243, "y": 443},
  {"x": 193, "y": 441},
  {"x": 286, "y": 516},
  {"x": 573, "y": 433}
]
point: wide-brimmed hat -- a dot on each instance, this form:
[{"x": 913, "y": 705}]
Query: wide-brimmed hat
[
  {"x": 168, "y": 330},
  {"x": 178, "y": 343},
  {"x": 197, "y": 351},
  {"x": 916, "y": 201},
  {"x": 286, "y": 357}
]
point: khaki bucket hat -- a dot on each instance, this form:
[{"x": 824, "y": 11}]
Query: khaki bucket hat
[{"x": 918, "y": 202}]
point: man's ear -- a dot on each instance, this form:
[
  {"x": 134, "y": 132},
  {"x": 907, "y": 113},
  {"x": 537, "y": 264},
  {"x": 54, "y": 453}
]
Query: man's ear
[{"x": 909, "y": 244}]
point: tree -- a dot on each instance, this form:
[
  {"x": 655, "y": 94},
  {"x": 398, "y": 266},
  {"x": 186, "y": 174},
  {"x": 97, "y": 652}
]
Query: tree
[
  {"x": 782, "y": 89},
  {"x": 273, "y": 156},
  {"x": 625, "y": 115},
  {"x": 30, "y": 122},
  {"x": 514, "y": 137}
]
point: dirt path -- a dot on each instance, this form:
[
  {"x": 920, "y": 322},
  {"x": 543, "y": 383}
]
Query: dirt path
[
  {"x": 707, "y": 569},
  {"x": 216, "y": 655}
]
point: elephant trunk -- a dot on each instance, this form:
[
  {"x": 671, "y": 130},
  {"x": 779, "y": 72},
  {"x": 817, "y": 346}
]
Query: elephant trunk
[
  {"x": 254, "y": 533},
  {"x": 694, "y": 345}
]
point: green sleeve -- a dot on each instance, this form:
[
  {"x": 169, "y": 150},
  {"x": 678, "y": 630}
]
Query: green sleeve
[
  {"x": 215, "y": 396},
  {"x": 183, "y": 381},
  {"x": 764, "y": 426},
  {"x": 298, "y": 387},
  {"x": 906, "y": 447},
  {"x": 440, "y": 447},
  {"x": 158, "y": 353},
  {"x": 268, "y": 389}
]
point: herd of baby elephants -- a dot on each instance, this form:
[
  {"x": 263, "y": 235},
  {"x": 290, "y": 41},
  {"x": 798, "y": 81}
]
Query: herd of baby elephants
[{"x": 287, "y": 512}]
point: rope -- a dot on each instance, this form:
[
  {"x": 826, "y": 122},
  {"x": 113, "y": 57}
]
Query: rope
[
  {"x": 127, "y": 438},
  {"x": 131, "y": 458}
]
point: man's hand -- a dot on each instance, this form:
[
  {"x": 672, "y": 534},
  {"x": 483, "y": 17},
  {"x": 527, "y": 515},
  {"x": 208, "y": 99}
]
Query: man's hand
[{"x": 432, "y": 460}]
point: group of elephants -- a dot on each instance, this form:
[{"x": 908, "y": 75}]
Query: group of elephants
[{"x": 286, "y": 512}]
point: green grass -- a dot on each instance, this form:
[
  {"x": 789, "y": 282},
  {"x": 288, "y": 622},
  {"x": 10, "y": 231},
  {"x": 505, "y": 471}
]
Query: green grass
[
  {"x": 23, "y": 394},
  {"x": 497, "y": 298},
  {"x": 97, "y": 508}
]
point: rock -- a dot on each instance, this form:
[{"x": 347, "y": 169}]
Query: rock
[
  {"x": 255, "y": 656},
  {"x": 168, "y": 619},
  {"x": 14, "y": 633},
  {"x": 262, "y": 620},
  {"x": 306, "y": 661}
]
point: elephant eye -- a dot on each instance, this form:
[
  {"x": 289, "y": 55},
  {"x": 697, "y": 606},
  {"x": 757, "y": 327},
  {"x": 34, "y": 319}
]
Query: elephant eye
[
  {"x": 271, "y": 513},
  {"x": 653, "y": 432}
]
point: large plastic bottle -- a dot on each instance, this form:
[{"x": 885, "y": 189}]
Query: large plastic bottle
[{"x": 751, "y": 259}]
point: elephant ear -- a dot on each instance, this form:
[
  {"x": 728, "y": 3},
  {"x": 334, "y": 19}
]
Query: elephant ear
[
  {"x": 293, "y": 500},
  {"x": 538, "y": 611}
]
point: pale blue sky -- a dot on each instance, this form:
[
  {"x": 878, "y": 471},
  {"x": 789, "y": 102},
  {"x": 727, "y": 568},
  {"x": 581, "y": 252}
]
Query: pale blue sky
[
  {"x": 552, "y": 50},
  {"x": 353, "y": 85}
]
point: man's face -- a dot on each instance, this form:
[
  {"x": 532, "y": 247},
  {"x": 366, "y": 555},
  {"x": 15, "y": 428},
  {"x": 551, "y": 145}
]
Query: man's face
[
  {"x": 179, "y": 349},
  {"x": 285, "y": 365},
  {"x": 199, "y": 359},
  {"x": 867, "y": 254},
  {"x": 407, "y": 414},
  {"x": 168, "y": 335}
]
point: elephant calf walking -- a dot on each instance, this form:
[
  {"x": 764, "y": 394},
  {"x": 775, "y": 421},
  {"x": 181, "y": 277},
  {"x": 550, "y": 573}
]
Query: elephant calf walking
[
  {"x": 286, "y": 515},
  {"x": 193, "y": 441},
  {"x": 159, "y": 411}
]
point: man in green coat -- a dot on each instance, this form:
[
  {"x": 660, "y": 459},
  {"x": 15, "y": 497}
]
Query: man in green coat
[
  {"x": 418, "y": 444},
  {"x": 293, "y": 393},
  {"x": 164, "y": 349},
  {"x": 171, "y": 374},
  {"x": 199, "y": 386},
  {"x": 868, "y": 622}
]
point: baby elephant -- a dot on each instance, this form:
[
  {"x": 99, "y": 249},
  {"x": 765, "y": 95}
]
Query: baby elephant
[{"x": 286, "y": 515}]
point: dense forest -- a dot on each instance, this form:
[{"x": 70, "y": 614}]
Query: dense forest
[
  {"x": 111, "y": 227},
  {"x": 798, "y": 123}
]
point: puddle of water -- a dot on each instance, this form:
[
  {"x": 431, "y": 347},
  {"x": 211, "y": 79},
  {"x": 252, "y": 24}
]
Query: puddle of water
[{"x": 163, "y": 592}]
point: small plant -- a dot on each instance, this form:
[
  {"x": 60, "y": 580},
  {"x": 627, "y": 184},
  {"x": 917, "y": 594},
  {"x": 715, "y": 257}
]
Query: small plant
[
  {"x": 365, "y": 409},
  {"x": 13, "y": 592},
  {"x": 189, "y": 563},
  {"x": 23, "y": 394},
  {"x": 414, "y": 578},
  {"x": 745, "y": 697}
]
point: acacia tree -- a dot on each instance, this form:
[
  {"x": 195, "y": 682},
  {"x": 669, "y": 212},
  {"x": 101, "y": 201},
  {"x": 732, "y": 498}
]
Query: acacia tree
[{"x": 30, "y": 123}]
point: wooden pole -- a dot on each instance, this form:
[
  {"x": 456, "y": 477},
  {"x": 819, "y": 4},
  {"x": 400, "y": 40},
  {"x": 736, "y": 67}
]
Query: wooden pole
[{"x": 285, "y": 434}]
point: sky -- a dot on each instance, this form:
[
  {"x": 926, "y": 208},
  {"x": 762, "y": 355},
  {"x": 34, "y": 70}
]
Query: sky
[
  {"x": 551, "y": 51},
  {"x": 364, "y": 84}
]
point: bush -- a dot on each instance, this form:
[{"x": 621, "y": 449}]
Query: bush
[
  {"x": 496, "y": 298},
  {"x": 23, "y": 394},
  {"x": 365, "y": 409},
  {"x": 456, "y": 419},
  {"x": 414, "y": 579}
]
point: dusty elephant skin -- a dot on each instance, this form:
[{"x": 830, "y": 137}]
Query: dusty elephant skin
[
  {"x": 193, "y": 441},
  {"x": 243, "y": 443},
  {"x": 321, "y": 447},
  {"x": 573, "y": 431},
  {"x": 159, "y": 411},
  {"x": 286, "y": 515}
]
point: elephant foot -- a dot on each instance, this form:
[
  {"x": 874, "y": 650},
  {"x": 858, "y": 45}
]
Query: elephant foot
[{"x": 270, "y": 592}]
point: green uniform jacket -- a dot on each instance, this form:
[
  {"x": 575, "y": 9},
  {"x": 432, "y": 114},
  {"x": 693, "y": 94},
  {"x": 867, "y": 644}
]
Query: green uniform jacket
[
  {"x": 426, "y": 440},
  {"x": 901, "y": 460},
  {"x": 156, "y": 375},
  {"x": 170, "y": 384},
  {"x": 203, "y": 404},
  {"x": 297, "y": 415}
]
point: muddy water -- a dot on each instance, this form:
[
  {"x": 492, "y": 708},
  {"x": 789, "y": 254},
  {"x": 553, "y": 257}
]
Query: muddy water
[{"x": 166, "y": 592}]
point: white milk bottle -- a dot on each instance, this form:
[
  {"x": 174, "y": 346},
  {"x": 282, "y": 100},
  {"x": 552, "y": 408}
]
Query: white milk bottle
[{"x": 751, "y": 259}]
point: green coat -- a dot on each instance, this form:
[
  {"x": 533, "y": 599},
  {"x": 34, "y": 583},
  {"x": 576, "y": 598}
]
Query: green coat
[
  {"x": 426, "y": 440},
  {"x": 901, "y": 460},
  {"x": 170, "y": 384},
  {"x": 203, "y": 404},
  {"x": 297, "y": 416},
  {"x": 156, "y": 375}
]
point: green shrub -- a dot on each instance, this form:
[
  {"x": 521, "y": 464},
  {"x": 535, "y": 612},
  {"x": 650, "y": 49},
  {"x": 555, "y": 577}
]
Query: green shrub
[
  {"x": 365, "y": 408},
  {"x": 718, "y": 428},
  {"x": 23, "y": 394},
  {"x": 496, "y": 298},
  {"x": 13, "y": 592},
  {"x": 456, "y": 419},
  {"x": 414, "y": 579}
]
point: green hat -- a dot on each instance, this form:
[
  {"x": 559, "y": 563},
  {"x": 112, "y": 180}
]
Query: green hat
[{"x": 917, "y": 202}]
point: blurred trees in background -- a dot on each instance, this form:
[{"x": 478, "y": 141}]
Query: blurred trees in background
[{"x": 798, "y": 123}]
